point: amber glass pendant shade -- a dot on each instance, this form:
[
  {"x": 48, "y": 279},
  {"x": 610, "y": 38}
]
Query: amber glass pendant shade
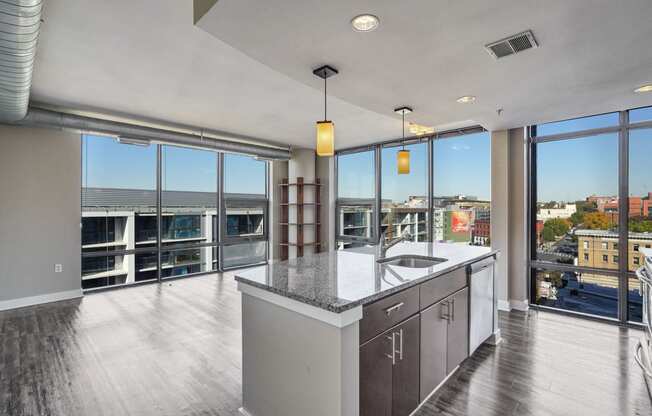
[
  {"x": 325, "y": 138},
  {"x": 403, "y": 162}
]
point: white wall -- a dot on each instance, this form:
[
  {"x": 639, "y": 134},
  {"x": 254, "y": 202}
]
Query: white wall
[{"x": 40, "y": 189}]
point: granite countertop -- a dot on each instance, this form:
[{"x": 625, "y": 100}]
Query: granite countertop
[{"x": 340, "y": 280}]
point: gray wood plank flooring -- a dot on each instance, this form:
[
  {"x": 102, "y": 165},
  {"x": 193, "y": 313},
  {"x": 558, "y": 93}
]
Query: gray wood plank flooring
[{"x": 175, "y": 349}]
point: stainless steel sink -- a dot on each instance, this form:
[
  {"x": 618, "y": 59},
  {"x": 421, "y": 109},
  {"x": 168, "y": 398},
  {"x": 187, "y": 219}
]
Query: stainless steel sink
[{"x": 412, "y": 261}]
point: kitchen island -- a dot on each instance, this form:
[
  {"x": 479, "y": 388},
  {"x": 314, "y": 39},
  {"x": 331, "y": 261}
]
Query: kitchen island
[{"x": 354, "y": 332}]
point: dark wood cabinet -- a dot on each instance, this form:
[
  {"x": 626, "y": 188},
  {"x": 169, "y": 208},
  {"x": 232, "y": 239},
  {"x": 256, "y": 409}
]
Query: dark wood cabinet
[
  {"x": 389, "y": 381},
  {"x": 405, "y": 378},
  {"x": 376, "y": 377},
  {"x": 458, "y": 329},
  {"x": 434, "y": 343},
  {"x": 444, "y": 339},
  {"x": 401, "y": 366}
]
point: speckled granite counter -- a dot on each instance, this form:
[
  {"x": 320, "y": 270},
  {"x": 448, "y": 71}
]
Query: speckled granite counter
[{"x": 337, "y": 281}]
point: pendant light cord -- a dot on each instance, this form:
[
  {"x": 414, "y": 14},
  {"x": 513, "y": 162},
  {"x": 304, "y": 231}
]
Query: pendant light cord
[
  {"x": 325, "y": 102},
  {"x": 403, "y": 118}
]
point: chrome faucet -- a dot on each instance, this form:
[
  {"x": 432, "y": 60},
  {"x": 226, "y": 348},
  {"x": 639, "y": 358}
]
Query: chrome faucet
[{"x": 384, "y": 246}]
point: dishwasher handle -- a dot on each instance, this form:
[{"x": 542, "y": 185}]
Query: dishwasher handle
[{"x": 481, "y": 265}]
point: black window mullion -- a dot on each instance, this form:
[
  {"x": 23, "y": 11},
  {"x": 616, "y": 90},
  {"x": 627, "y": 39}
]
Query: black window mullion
[
  {"x": 221, "y": 211},
  {"x": 623, "y": 217},
  {"x": 159, "y": 214},
  {"x": 532, "y": 147}
]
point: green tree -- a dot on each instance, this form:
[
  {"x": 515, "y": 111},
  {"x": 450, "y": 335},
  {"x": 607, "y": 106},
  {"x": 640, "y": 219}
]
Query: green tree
[
  {"x": 577, "y": 218},
  {"x": 640, "y": 225},
  {"x": 548, "y": 234},
  {"x": 558, "y": 226}
]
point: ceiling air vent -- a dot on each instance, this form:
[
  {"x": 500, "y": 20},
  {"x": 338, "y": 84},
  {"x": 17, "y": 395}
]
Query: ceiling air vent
[{"x": 511, "y": 45}]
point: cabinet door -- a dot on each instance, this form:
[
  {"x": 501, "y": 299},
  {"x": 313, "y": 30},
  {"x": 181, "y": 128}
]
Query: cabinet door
[
  {"x": 405, "y": 378},
  {"x": 458, "y": 329},
  {"x": 434, "y": 327},
  {"x": 376, "y": 376}
]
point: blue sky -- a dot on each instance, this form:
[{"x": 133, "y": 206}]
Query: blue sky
[
  {"x": 571, "y": 170},
  {"x": 568, "y": 170},
  {"x": 109, "y": 164},
  {"x": 462, "y": 166}
]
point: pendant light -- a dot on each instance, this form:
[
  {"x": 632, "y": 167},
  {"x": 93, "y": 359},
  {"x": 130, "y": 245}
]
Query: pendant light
[
  {"x": 325, "y": 128},
  {"x": 403, "y": 155}
]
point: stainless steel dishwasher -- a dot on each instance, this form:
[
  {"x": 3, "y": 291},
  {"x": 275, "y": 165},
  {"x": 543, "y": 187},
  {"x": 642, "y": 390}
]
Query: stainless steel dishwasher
[
  {"x": 484, "y": 314},
  {"x": 644, "y": 347}
]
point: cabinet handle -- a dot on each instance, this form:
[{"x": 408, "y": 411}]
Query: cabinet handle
[
  {"x": 400, "y": 344},
  {"x": 446, "y": 315},
  {"x": 393, "y": 308},
  {"x": 453, "y": 312},
  {"x": 392, "y": 355}
]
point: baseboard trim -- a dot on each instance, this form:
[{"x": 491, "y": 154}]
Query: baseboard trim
[
  {"x": 520, "y": 305},
  {"x": 6, "y": 305},
  {"x": 503, "y": 305},
  {"x": 517, "y": 305},
  {"x": 244, "y": 412}
]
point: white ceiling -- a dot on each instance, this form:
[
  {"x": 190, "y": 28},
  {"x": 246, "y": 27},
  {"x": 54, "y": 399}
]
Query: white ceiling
[{"x": 146, "y": 59}]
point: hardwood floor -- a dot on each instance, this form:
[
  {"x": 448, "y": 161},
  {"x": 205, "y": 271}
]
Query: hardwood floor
[{"x": 175, "y": 349}]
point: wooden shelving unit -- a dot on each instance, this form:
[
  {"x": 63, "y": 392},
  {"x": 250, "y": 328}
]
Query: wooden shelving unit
[{"x": 300, "y": 225}]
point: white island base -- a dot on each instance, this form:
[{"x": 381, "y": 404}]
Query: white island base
[{"x": 297, "y": 359}]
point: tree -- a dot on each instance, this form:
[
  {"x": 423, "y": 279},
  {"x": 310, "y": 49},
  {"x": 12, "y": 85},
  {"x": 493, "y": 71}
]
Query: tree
[
  {"x": 597, "y": 221},
  {"x": 558, "y": 226},
  {"x": 548, "y": 234},
  {"x": 577, "y": 218},
  {"x": 640, "y": 225}
]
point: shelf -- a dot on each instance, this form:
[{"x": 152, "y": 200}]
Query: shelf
[
  {"x": 297, "y": 184},
  {"x": 316, "y": 243}
]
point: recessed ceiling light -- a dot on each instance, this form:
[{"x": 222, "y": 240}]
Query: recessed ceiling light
[
  {"x": 466, "y": 99},
  {"x": 365, "y": 23},
  {"x": 644, "y": 88}
]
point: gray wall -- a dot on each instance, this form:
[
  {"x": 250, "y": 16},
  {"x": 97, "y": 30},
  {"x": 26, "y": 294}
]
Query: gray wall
[
  {"x": 508, "y": 216},
  {"x": 325, "y": 172},
  {"x": 500, "y": 211},
  {"x": 278, "y": 171},
  {"x": 40, "y": 214},
  {"x": 517, "y": 220}
]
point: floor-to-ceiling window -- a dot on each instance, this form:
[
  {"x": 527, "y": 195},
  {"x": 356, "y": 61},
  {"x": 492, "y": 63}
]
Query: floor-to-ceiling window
[
  {"x": 444, "y": 197},
  {"x": 244, "y": 230},
  {"x": 118, "y": 209},
  {"x": 122, "y": 213},
  {"x": 590, "y": 197},
  {"x": 404, "y": 204},
  {"x": 356, "y": 198},
  {"x": 462, "y": 189},
  {"x": 188, "y": 209}
]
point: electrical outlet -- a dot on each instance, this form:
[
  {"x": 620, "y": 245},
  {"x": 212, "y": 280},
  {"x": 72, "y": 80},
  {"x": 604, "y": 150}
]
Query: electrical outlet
[{"x": 58, "y": 268}]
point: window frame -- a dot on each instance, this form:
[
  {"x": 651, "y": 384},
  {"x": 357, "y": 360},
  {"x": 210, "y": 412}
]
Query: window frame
[
  {"x": 220, "y": 238},
  {"x": 376, "y": 201},
  {"x": 623, "y": 130}
]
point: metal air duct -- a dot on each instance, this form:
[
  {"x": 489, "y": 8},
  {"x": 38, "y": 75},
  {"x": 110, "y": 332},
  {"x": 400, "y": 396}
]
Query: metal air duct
[
  {"x": 204, "y": 139},
  {"x": 20, "y": 21}
]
